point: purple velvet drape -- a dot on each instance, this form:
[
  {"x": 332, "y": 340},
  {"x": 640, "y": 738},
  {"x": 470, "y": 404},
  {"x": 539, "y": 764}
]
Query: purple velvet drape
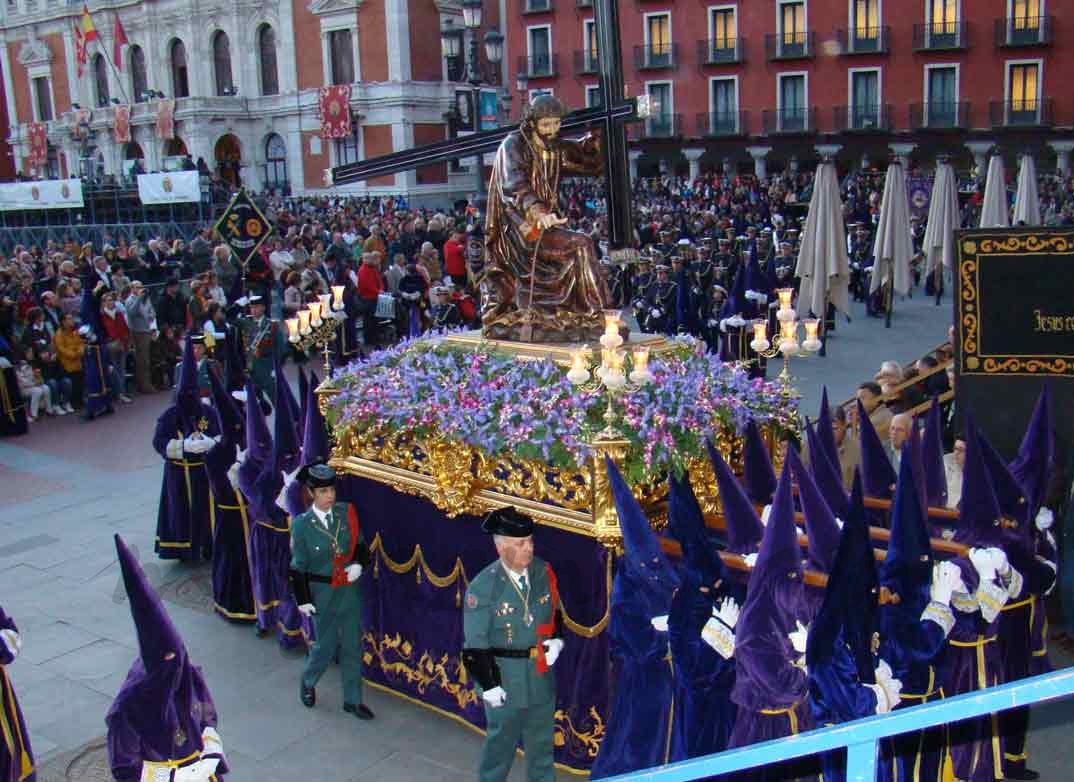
[{"x": 413, "y": 625}]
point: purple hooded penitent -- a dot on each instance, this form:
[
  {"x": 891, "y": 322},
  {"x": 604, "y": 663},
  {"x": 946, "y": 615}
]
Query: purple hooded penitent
[
  {"x": 826, "y": 473},
  {"x": 932, "y": 457},
  {"x": 314, "y": 448},
  {"x": 744, "y": 528},
  {"x": 877, "y": 474},
  {"x": 1032, "y": 467},
  {"x": 164, "y": 705},
  {"x": 757, "y": 474},
  {"x": 821, "y": 529},
  {"x": 825, "y": 432}
]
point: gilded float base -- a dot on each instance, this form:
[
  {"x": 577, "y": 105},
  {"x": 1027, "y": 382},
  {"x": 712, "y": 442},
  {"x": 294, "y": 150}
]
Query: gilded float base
[{"x": 559, "y": 352}]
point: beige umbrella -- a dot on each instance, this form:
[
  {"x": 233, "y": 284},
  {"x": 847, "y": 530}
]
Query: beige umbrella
[
  {"x": 893, "y": 247},
  {"x": 994, "y": 209},
  {"x": 1026, "y": 199},
  {"x": 823, "y": 267},
  {"x": 944, "y": 220}
]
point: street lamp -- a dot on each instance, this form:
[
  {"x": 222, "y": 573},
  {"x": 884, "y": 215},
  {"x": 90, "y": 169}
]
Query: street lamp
[
  {"x": 449, "y": 40},
  {"x": 472, "y": 11}
]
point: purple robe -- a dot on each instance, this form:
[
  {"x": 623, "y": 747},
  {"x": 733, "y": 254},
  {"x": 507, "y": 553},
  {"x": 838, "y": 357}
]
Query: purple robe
[
  {"x": 233, "y": 590},
  {"x": 96, "y": 381},
  {"x": 16, "y": 761},
  {"x": 270, "y": 559},
  {"x": 184, "y": 515}
]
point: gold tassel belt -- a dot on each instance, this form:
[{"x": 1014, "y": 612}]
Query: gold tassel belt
[
  {"x": 190, "y": 759},
  {"x": 790, "y": 714},
  {"x": 981, "y": 641},
  {"x": 185, "y": 463},
  {"x": 1020, "y": 604}
]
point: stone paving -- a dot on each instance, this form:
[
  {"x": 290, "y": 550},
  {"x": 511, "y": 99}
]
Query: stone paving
[{"x": 67, "y": 486}]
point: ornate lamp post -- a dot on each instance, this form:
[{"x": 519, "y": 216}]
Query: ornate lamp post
[
  {"x": 786, "y": 342},
  {"x": 451, "y": 44},
  {"x": 316, "y": 325}
]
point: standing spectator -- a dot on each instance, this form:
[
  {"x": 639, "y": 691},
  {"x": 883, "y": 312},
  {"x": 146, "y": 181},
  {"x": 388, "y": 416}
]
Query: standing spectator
[
  {"x": 197, "y": 305},
  {"x": 429, "y": 260},
  {"x": 120, "y": 281},
  {"x": 141, "y": 318},
  {"x": 455, "y": 259},
  {"x": 225, "y": 266},
  {"x": 70, "y": 298},
  {"x": 38, "y": 347},
  {"x": 201, "y": 252},
  {"x": 213, "y": 290},
  {"x": 171, "y": 308},
  {"x": 370, "y": 286},
  {"x": 116, "y": 341},
  {"x": 292, "y": 295},
  {"x": 374, "y": 244},
  {"x": 53, "y": 314},
  {"x": 164, "y": 358},
  {"x": 69, "y": 348},
  {"x": 154, "y": 263},
  {"x": 395, "y": 273}
]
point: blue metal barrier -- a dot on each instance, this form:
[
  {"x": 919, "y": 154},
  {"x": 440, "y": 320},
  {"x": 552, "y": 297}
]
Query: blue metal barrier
[{"x": 861, "y": 736}]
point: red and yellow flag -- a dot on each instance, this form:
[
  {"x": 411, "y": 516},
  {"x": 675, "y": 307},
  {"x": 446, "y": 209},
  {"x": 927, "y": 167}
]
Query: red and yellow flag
[
  {"x": 89, "y": 32},
  {"x": 80, "y": 50}
]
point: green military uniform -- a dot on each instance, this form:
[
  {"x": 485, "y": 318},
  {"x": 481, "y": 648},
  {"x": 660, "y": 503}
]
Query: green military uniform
[
  {"x": 500, "y": 622},
  {"x": 263, "y": 341},
  {"x": 338, "y": 620}
]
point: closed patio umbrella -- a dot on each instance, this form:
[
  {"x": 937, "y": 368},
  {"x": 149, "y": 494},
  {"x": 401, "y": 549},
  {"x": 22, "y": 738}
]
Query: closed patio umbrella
[
  {"x": 939, "y": 242},
  {"x": 994, "y": 209},
  {"x": 823, "y": 267},
  {"x": 893, "y": 247},
  {"x": 1026, "y": 199}
]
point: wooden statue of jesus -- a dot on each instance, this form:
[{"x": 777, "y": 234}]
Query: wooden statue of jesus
[{"x": 542, "y": 282}]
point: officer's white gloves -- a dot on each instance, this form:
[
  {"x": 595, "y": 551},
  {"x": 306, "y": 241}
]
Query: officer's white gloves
[
  {"x": 495, "y": 698},
  {"x": 1045, "y": 519},
  {"x": 13, "y": 641},
  {"x": 799, "y": 637},
  {"x": 750, "y": 560},
  {"x": 888, "y": 689},
  {"x": 307, "y": 609},
  {"x": 174, "y": 449},
  {"x": 946, "y": 579},
  {"x": 728, "y": 612},
  {"x": 552, "y": 649},
  {"x": 660, "y": 623},
  {"x": 353, "y": 572}
]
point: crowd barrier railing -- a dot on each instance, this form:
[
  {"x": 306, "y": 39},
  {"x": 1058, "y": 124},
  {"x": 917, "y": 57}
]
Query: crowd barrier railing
[{"x": 861, "y": 737}]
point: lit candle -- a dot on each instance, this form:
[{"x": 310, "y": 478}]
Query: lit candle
[
  {"x": 578, "y": 373},
  {"x": 785, "y": 313},
  {"x": 337, "y": 294},
  {"x": 292, "y": 329},
  {"x": 641, "y": 374},
  {"x": 788, "y": 337},
  {"x": 760, "y": 336},
  {"x": 315, "y": 312},
  {"x": 303, "y": 322},
  {"x": 326, "y": 304},
  {"x": 611, "y": 338},
  {"x": 812, "y": 341}
]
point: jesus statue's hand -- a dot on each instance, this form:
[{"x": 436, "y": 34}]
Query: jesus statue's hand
[{"x": 550, "y": 220}]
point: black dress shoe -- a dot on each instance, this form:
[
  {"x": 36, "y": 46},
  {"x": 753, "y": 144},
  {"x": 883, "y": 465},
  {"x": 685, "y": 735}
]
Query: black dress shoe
[
  {"x": 308, "y": 696},
  {"x": 1024, "y": 774},
  {"x": 361, "y": 711}
]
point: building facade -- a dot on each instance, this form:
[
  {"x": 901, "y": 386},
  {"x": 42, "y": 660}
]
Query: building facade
[
  {"x": 245, "y": 76},
  {"x": 750, "y": 85}
]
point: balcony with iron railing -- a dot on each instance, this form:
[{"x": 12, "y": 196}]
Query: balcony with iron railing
[
  {"x": 657, "y": 126},
  {"x": 864, "y": 40},
  {"x": 800, "y": 119},
  {"x": 541, "y": 66},
  {"x": 656, "y": 57},
  {"x": 1014, "y": 32},
  {"x": 941, "y": 36},
  {"x": 723, "y": 124},
  {"x": 940, "y": 115},
  {"x": 790, "y": 46},
  {"x": 1021, "y": 113},
  {"x": 721, "y": 51},
  {"x": 586, "y": 62},
  {"x": 864, "y": 118}
]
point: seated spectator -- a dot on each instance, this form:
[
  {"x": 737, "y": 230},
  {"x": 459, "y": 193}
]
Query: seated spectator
[
  {"x": 954, "y": 463},
  {"x": 38, "y": 396},
  {"x": 934, "y": 384},
  {"x": 164, "y": 354},
  {"x": 890, "y": 373},
  {"x": 292, "y": 294},
  {"x": 898, "y": 432},
  {"x": 849, "y": 447},
  {"x": 871, "y": 397}
]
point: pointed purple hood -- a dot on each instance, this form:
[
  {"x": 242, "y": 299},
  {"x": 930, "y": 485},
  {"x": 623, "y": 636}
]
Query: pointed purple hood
[
  {"x": 825, "y": 432},
  {"x": 687, "y": 523},
  {"x": 877, "y": 474},
  {"x": 826, "y": 474},
  {"x": 979, "y": 522},
  {"x": 744, "y": 528},
  {"x": 1032, "y": 467},
  {"x": 821, "y": 529},
  {"x": 932, "y": 458},
  {"x": 315, "y": 447},
  {"x": 286, "y": 440},
  {"x": 758, "y": 475}
]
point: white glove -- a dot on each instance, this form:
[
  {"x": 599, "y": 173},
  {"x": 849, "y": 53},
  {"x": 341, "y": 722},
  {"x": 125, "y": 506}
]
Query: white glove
[
  {"x": 946, "y": 578},
  {"x": 242, "y": 301},
  {"x": 799, "y": 637},
  {"x": 174, "y": 449},
  {"x": 12, "y": 640},
  {"x": 239, "y": 395},
  {"x": 4, "y": 363},
  {"x": 655, "y": 312},
  {"x": 353, "y": 572},
  {"x": 883, "y": 671},
  {"x": 723, "y": 325},
  {"x": 839, "y": 522},
  {"x": 307, "y": 609},
  {"x": 233, "y": 475},
  {"x": 728, "y": 612},
  {"x": 981, "y": 558},
  {"x": 202, "y": 771},
  {"x": 999, "y": 561},
  {"x": 887, "y": 688},
  {"x": 552, "y": 648},
  {"x": 207, "y": 401},
  {"x": 194, "y": 444},
  {"x": 713, "y": 323},
  {"x": 495, "y": 698},
  {"x": 660, "y": 623},
  {"x": 1045, "y": 519},
  {"x": 750, "y": 560},
  {"x": 766, "y": 511}
]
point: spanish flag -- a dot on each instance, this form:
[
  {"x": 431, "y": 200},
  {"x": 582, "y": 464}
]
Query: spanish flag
[{"x": 89, "y": 32}]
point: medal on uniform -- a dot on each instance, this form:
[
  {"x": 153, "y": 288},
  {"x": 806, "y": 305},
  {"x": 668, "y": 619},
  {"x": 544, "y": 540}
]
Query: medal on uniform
[{"x": 527, "y": 618}]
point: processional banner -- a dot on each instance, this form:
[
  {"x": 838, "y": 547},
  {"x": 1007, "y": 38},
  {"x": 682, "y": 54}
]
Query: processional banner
[
  {"x": 335, "y": 104},
  {"x": 174, "y": 187},
  {"x": 46, "y": 194},
  {"x": 121, "y": 124}
]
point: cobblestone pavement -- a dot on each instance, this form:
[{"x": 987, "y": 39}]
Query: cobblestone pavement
[{"x": 68, "y": 485}]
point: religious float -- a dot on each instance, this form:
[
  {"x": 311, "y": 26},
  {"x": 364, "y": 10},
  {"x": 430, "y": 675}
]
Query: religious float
[{"x": 437, "y": 431}]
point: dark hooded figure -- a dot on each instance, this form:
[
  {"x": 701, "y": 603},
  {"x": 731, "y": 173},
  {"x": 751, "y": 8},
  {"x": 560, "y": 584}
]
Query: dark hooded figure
[
  {"x": 97, "y": 378},
  {"x": 16, "y": 756},
  {"x": 877, "y": 474},
  {"x": 270, "y": 529},
  {"x": 757, "y": 474},
  {"x": 233, "y": 591},
  {"x": 315, "y": 448},
  {"x": 932, "y": 457},
  {"x": 771, "y": 686},
  {"x": 639, "y": 727},
  {"x": 744, "y": 528},
  {"x": 701, "y": 631},
  {"x": 826, "y": 472},
  {"x": 1023, "y": 623},
  {"x": 915, "y": 620},
  {"x": 974, "y": 655},
  {"x": 162, "y": 724},
  {"x": 12, "y": 409},
  {"x": 186, "y": 431},
  {"x": 847, "y": 681}
]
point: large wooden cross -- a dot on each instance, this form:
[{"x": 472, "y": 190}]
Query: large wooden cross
[{"x": 614, "y": 111}]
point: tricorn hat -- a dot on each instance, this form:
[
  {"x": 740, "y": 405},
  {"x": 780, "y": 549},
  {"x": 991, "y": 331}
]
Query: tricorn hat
[
  {"x": 508, "y": 522},
  {"x": 317, "y": 475}
]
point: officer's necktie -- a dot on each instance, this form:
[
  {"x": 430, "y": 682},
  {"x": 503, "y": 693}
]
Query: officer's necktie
[{"x": 522, "y": 586}]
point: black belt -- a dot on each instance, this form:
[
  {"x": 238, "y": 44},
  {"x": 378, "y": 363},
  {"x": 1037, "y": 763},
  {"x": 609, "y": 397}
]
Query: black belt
[
  {"x": 319, "y": 579},
  {"x": 519, "y": 654}
]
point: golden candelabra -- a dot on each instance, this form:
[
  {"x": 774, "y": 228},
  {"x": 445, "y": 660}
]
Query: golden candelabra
[
  {"x": 610, "y": 374},
  {"x": 786, "y": 342},
  {"x": 316, "y": 325}
]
